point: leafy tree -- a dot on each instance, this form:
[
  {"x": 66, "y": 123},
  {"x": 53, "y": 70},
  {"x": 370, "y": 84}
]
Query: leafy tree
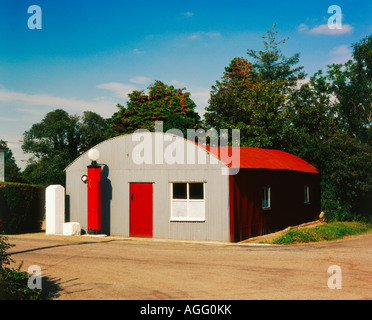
[
  {"x": 252, "y": 96},
  {"x": 332, "y": 122},
  {"x": 57, "y": 140},
  {"x": 344, "y": 162},
  {"x": 162, "y": 103},
  {"x": 93, "y": 129},
  {"x": 312, "y": 117},
  {"x": 56, "y": 134},
  {"x": 239, "y": 102},
  {"x": 326, "y": 122},
  {"x": 351, "y": 85}
]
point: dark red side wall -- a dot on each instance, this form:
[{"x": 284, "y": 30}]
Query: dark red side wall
[{"x": 248, "y": 219}]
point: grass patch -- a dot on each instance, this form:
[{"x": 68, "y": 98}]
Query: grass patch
[{"x": 325, "y": 232}]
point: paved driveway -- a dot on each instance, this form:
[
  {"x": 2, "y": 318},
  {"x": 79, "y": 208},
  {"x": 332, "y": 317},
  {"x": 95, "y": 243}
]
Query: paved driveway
[{"x": 123, "y": 268}]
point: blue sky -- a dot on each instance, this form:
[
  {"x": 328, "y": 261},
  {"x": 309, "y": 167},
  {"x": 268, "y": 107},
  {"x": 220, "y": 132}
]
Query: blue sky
[{"x": 90, "y": 54}]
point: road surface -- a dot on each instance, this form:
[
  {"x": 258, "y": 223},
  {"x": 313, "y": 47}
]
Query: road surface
[{"x": 126, "y": 268}]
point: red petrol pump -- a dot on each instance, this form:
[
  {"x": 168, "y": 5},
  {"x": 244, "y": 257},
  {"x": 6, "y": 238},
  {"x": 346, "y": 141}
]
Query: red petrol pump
[{"x": 94, "y": 193}]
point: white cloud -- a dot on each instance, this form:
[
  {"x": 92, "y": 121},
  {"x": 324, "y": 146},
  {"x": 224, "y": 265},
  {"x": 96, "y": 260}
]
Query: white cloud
[
  {"x": 303, "y": 27},
  {"x": 340, "y": 54},
  {"x": 9, "y": 119},
  {"x": 212, "y": 34},
  {"x": 341, "y": 50},
  {"x": 140, "y": 80},
  {"x": 201, "y": 97},
  {"x": 31, "y": 108},
  {"x": 325, "y": 30},
  {"x": 194, "y": 36},
  {"x": 120, "y": 90},
  {"x": 104, "y": 108},
  {"x": 137, "y": 51},
  {"x": 202, "y": 34},
  {"x": 177, "y": 83},
  {"x": 188, "y": 14},
  {"x": 36, "y": 112}
]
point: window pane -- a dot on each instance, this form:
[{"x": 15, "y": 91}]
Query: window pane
[
  {"x": 179, "y": 209},
  {"x": 197, "y": 209},
  {"x": 179, "y": 191},
  {"x": 266, "y": 197},
  {"x": 196, "y": 191},
  {"x": 306, "y": 194}
]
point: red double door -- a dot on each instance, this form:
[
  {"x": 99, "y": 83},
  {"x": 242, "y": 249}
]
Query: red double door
[{"x": 140, "y": 209}]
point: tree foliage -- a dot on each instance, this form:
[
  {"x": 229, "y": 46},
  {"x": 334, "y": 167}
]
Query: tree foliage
[
  {"x": 331, "y": 118},
  {"x": 271, "y": 65},
  {"x": 326, "y": 121},
  {"x": 240, "y": 102},
  {"x": 59, "y": 139},
  {"x": 251, "y": 96},
  {"x": 162, "y": 103}
]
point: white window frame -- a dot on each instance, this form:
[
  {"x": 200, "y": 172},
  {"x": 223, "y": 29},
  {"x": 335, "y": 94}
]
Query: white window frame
[
  {"x": 266, "y": 203},
  {"x": 187, "y": 201},
  {"x": 306, "y": 194}
]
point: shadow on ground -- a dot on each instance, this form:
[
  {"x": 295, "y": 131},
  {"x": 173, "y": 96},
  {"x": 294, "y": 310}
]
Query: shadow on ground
[{"x": 51, "y": 287}]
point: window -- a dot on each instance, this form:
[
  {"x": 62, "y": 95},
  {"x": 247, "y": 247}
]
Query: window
[
  {"x": 306, "y": 194},
  {"x": 187, "y": 203},
  {"x": 266, "y": 198},
  {"x": 179, "y": 190}
]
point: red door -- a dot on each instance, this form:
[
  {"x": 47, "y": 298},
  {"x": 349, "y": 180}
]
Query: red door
[{"x": 140, "y": 209}]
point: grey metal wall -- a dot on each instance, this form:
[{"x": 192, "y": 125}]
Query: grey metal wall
[{"x": 120, "y": 171}]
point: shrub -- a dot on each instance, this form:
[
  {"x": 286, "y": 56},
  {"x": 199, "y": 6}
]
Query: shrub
[
  {"x": 13, "y": 283},
  {"x": 4, "y": 246},
  {"x": 14, "y": 286},
  {"x": 21, "y": 207}
]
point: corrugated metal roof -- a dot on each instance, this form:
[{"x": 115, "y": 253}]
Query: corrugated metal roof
[
  {"x": 257, "y": 158},
  {"x": 250, "y": 158}
]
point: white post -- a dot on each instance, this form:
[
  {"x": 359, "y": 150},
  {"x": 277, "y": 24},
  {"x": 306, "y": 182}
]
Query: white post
[{"x": 55, "y": 209}]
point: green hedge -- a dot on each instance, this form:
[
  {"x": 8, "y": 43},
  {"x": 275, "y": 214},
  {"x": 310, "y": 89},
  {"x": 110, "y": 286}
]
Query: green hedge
[{"x": 22, "y": 207}]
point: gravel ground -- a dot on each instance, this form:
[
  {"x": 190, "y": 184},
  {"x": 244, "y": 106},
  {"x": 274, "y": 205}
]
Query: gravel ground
[{"x": 85, "y": 267}]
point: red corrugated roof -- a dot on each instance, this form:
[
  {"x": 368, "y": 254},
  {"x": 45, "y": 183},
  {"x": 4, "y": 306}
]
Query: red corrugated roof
[{"x": 257, "y": 158}]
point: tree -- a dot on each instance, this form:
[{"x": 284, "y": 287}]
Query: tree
[
  {"x": 332, "y": 122},
  {"x": 271, "y": 65},
  {"x": 344, "y": 162},
  {"x": 351, "y": 85},
  {"x": 57, "y": 140},
  {"x": 252, "y": 96},
  {"x": 56, "y": 134},
  {"x": 162, "y": 103},
  {"x": 254, "y": 107},
  {"x": 93, "y": 130}
]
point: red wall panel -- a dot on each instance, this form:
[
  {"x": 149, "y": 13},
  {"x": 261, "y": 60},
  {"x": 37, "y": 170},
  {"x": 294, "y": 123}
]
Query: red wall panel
[{"x": 248, "y": 219}]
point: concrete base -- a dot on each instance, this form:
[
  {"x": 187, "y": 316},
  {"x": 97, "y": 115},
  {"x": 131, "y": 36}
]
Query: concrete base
[
  {"x": 71, "y": 229},
  {"x": 94, "y": 235}
]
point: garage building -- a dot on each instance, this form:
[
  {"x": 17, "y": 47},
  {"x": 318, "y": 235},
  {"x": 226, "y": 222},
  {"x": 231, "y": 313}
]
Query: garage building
[{"x": 163, "y": 186}]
